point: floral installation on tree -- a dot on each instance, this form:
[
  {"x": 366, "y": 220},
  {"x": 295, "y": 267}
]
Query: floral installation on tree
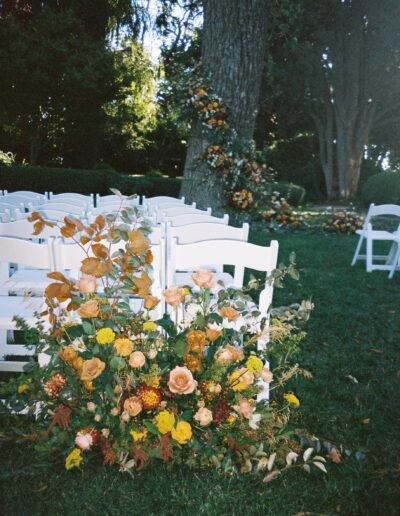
[
  {"x": 247, "y": 179},
  {"x": 124, "y": 389}
]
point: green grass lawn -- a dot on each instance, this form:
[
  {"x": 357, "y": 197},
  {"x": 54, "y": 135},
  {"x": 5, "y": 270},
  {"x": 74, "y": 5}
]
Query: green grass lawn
[{"x": 354, "y": 333}]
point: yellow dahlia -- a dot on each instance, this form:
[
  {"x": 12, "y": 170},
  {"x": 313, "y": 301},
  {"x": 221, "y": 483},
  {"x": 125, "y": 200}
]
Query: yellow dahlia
[
  {"x": 182, "y": 432},
  {"x": 165, "y": 421},
  {"x": 254, "y": 364},
  {"x": 105, "y": 336}
]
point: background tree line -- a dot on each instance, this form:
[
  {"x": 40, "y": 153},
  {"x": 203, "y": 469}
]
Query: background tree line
[{"x": 78, "y": 89}]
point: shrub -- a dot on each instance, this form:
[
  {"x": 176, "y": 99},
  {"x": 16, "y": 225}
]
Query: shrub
[
  {"x": 382, "y": 188},
  {"x": 294, "y": 194},
  {"x": 58, "y": 180},
  {"x": 6, "y": 158}
]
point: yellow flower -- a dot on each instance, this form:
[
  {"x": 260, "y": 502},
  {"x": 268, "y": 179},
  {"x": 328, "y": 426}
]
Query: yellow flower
[
  {"x": 22, "y": 388},
  {"x": 254, "y": 364},
  {"x": 182, "y": 432},
  {"x": 241, "y": 379},
  {"x": 124, "y": 347},
  {"x": 74, "y": 459},
  {"x": 231, "y": 419},
  {"x": 138, "y": 436},
  {"x": 292, "y": 399},
  {"x": 165, "y": 421},
  {"x": 149, "y": 326},
  {"x": 105, "y": 336}
]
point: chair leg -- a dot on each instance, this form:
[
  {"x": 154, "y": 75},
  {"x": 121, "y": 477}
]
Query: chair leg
[
  {"x": 369, "y": 255},
  {"x": 3, "y": 344},
  {"x": 357, "y": 251},
  {"x": 396, "y": 262}
]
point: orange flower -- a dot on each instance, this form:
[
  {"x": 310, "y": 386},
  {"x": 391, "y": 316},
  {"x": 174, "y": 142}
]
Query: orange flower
[
  {"x": 68, "y": 354},
  {"x": 227, "y": 312},
  {"x": 150, "y": 302},
  {"x": 203, "y": 278},
  {"x": 196, "y": 340},
  {"x": 92, "y": 368},
  {"x": 213, "y": 334},
  {"x": 87, "y": 284},
  {"x": 89, "y": 309},
  {"x": 174, "y": 295},
  {"x": 133, "y": 406},
  {"x": 229, "y": 354},
  {"x": 149, "y": 396},
  {"x": 124, "y": 347},
  {"x": 137, "y": 359},
  {"x": 181, "y": 381}
]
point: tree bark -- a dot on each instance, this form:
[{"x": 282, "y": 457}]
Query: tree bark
[{"x": 234, "y": 40}]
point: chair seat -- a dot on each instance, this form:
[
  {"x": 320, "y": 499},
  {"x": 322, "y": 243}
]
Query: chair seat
[
  {"x": 11, "y": 306},
  {"x": 185, "y": 278},
  {"x": 378, "y": 234},
  {"x": 29, "y": 280}
]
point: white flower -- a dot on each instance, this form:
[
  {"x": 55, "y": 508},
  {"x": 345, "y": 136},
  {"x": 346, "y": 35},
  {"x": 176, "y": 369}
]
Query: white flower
[
  {"x": 191, "y": 310},
  {"x": 215, "y": 326},
  {"x": 254, "y": 420},
  {"x": 83, "y": 441},
  {"x": 78, "y": 345}
]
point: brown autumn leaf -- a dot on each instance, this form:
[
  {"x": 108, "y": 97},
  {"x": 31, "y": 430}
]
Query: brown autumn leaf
[
  {"x": 67, "y": 231},
  {"x": 52, "y": 290},
  {"x": 100, "y": 251},
  {"x": 70, "y": 223},
  {"x": 335, "y": 456},
  {"x": 140, "y": 457},
  {"x": 109, "y": 456},
  {"x": 142, "y": 284},
  {"x": 58, "y": 276},
  {"x": 100, "y": 221},
  {"x": 137, "y": 242},
  {"x": 35, "y": 215},
  {"x": 165, "y": 449},
  {"x": 90, "y": 265},
  {"x": 38, "y": 227},
  {"x": 84, "y": 240},
  {"x": 61, "y": 418}
]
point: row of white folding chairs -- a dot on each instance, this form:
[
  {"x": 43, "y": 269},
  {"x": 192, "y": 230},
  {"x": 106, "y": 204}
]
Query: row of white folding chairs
[{"x": 371, "y": 235}]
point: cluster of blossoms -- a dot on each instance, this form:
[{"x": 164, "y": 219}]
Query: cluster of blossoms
[
  {"x": 343, "y": 221},
  {"x": 243, "y": 199},
  {"x": 218, "y": 159},
  {"x": 187, "y": 388},
  {"x": 209, "y": 106},
  {"x": 281, "y": 214}
]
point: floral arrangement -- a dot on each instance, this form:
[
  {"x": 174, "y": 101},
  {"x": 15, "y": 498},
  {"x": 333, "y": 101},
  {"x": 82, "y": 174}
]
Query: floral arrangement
[
  {"x": 343, "y": 221},
  {"x": 189, "y": 388},
  {"x": 280, "y": 214}
]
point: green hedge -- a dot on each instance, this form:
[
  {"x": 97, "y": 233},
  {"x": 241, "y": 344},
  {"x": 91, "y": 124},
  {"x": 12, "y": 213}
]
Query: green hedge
[
  {"x": 382, "y": 188},
  {"x": 294, "y": 194},
  {"x": 58, "y": 180}
]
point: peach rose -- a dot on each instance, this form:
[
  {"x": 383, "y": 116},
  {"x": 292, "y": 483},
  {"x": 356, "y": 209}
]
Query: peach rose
[
  {"x": 203, "y": 416},
  {"x": 266, "y": 375},
  {"x": 87, "y": 284},
  {"x": 181, "y": 381},
  {"x": 244, "y": 408},
  {"x": 137, "y": 359},
  {"x": 213, "y": 334},
  {"x": 151, "y": 302},
  {"x": 203, "y": 279},
  {"x": 133, "y": 406},
  {"x": 229, "y": 354},
  {"x": 227, "y": 312},
  {"x": 83, "y": 441},
  {"x": 89, "y": 309},
  {"x": 92, "y": 368},
  {"x": 174, "y": 295}
]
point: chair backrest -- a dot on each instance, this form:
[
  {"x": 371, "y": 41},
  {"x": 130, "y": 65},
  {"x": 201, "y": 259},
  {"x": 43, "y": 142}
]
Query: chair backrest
[
  {"x": 27, "y": 194},
  {"x": 24, "y": 199},
  {"x": 68, "y": 257},
  {"x": 206, "y": 231},
  {"x": 23, "y": 229},
  {"x": 12, "y": 203},
  {"x": 59, "y": 215},
  {"x": 161, "y": 199},
  {"x": 75, "y": 208},
  {"x": 192, "y": 218},
  {"x": 380, "y": 210},
  {"x": 71, "y": 195},
  {"x": 115, "y": 199},
  {"x": 226, "y": 252}
]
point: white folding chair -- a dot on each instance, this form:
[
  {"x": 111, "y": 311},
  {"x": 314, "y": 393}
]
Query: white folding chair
[
  {"x": 27, "y": 194},
  {"x": 370, "y": 235},
  {"x": 203, "y": 231},
  {"x": 22, "y": 252},
  {"x": 396, "y": 258},
  {"x": 71, "y": 196},
  {"x": 230, "y": 252},
  {"x": 193, "y": 218},
  {"x": 159, "y": 199},
  {"x": 70, "y": 206},
  {"x": 116, "y": 200}
]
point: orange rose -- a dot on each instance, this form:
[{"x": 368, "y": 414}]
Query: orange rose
[
  {"x": 229, "y": 354},
  {"x": 203, "y": 279},
  {"x": 150, "y": 302},
  {"x": 133, "y": 406},
  {"x": 174, "y": 295},
  {"x": 196, "y": 340},
  {"x": 89, "y": 309},
  {"x": 213, "y": 334},
  {"x": 92, "y": 368},
  {"x": 87, "y": 284},
  {"x": 68, "y": 354},
  {"x": 229, "y": 313},
  {"x": 181, "y": 381},
  {"x": 137, "y": 359}
]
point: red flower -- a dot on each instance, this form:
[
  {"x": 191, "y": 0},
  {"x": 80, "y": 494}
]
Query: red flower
[{"x": 149, "y": 396}]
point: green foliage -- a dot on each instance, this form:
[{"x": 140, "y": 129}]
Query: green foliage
[
  {"x": 58, "y": 180},
  {"x": 383, "y": 188},
  {"x": 294, "y": 194},
  {"x": 7, "y": 158}
]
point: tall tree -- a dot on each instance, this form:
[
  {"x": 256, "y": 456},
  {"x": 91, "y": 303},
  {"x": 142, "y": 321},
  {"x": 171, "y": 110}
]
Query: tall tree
[{"x": 233, "y": 48}]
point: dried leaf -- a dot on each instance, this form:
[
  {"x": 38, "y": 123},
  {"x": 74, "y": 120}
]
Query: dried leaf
[
  {"x": 291, "y": 457},
  {"x": 271, "y": 476},
  {"x": 109, "y": 456},
  {"x": 38, "y": 227},
  {"x": 307, "y": 454},
  {"x": 84, "y": 240},
  {"x": 67, "y": 231},
  {"x": 100, "y": 251},
  {"x": 271, "y": 461},
  {"x": 35, "y": 215},
  {"x": 320, "y": 466},
  {"x": 142, "y": 285},
  {"x": 100, "y": 221},
  {"x": 137, "y": 242},
  {"x": 58, "y": 276},
  {"x": 61, "y": 418},
  {"x": 165, "y": 449},
  {"x": 90, "y": 265},
  {"x": 140, "y": 457}
]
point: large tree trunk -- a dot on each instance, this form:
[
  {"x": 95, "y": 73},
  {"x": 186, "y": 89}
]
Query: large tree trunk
[{"x": 234, "y": 37}]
